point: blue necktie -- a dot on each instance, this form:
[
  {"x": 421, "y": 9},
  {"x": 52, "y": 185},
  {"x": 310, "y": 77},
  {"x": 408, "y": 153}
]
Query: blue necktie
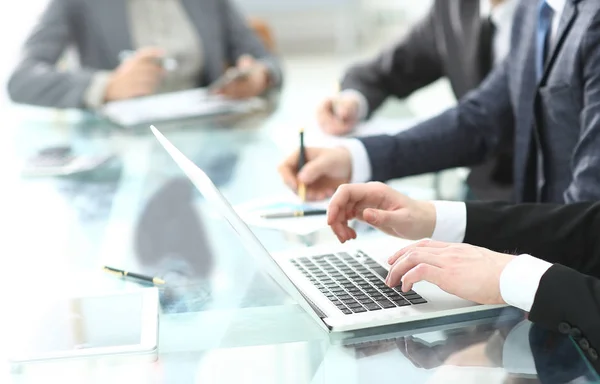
[{"x": 544, "y": 26}]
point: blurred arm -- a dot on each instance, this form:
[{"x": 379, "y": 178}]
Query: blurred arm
[
  {"x": 36, "y": 80},
  {"x": 402, "y": 68}
]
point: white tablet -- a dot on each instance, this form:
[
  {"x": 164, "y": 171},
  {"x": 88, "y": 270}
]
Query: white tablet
[{"x": 90, "y": 326}]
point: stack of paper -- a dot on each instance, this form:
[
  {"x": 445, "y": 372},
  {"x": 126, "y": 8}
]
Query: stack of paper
[
  {"x": 174, "y": 106},
  {"x": 287, "y": 139}
]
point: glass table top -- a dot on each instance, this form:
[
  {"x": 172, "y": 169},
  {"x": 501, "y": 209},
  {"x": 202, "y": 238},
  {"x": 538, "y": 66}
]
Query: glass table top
[{"x": 223, "y": 319}]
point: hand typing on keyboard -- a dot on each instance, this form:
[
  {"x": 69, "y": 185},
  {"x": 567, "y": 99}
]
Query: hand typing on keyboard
[
  {"x": 449, "y": 266},
  {"x": 382, "y": 207}
]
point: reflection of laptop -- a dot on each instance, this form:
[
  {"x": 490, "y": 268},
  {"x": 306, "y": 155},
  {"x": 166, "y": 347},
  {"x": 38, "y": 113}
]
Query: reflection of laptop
[{"x": 340, "y": 287}]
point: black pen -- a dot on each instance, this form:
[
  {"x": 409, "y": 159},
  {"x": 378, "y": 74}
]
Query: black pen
[
  {"x": 289, "y": 214},
  {"x": 301, "y": 163},
  {"x": 149, "y": 279}
]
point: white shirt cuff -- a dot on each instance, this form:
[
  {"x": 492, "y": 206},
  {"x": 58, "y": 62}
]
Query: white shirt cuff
[
  {"x": 520, "y": 280},
  {"x": 96, "y": 90},
  {"x": 363, "y": 106},
  {"x": 361, "y": 165},
  {"x": 450, "y": 221}
]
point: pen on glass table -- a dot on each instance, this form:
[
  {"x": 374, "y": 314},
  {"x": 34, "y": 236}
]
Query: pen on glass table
[
  {"x": 289, "y": 214},
  {"x": 301, "y": 162},
  {"x": 168, "y": 63},
  {"x": 149, "y": 279}
]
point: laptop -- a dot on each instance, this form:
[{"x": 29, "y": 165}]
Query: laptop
[{"x": 341, "y": 286}]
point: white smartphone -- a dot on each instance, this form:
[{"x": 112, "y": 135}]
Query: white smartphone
[{"x": 84, "y": 327}]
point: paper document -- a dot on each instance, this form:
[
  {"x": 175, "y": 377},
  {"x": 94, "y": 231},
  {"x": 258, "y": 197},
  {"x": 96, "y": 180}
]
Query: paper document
[
  {"x": 251, "y": 213},
  {"x": 175, "y": 106},
  {"x": 287, "y": 139}
]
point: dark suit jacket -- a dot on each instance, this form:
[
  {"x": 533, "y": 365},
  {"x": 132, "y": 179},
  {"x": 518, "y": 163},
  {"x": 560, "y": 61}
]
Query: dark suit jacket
[
  {"x": 563, "y": 131},
  {"x": 568, "y": 297},
  {"x": 99, "y": 30},
  {"x": 434, "y": 49}
]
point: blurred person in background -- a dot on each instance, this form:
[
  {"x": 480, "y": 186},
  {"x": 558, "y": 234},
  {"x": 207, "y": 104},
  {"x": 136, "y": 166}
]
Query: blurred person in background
[
  {"x": 462, "y": 40},
  {"x": 123, "y": 47}
]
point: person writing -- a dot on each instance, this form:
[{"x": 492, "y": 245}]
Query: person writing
[
  {"x": 552, "y": 269},
  {"x": 546, "y": 90},
  {"x": 433, "y": 49},
  {"x": 132, "y": 48}
]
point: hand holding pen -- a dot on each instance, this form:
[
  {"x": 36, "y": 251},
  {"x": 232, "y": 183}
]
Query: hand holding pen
[
  {"x": 249, "y": 78},
  {"x": 139, "y": 74},
  {"x": 315, "y": 173}
]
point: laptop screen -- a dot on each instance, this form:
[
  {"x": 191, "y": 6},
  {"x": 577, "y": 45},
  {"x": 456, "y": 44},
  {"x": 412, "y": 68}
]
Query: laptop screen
[{"x": 214, "y": 197}]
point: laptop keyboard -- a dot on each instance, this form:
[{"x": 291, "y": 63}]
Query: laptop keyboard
[{"x": 354, "y": 284}]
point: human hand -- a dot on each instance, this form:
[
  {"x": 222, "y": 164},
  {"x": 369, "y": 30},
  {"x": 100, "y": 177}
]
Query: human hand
[
  {"x": 324, "y": 171},
  {"x": 248, "y": 79},
  {"x": 137, "y": 76},
  {"x": 469, "y": 272},
  {"x": 338, "y": 115},
  {"x": 382, "y": 207}
]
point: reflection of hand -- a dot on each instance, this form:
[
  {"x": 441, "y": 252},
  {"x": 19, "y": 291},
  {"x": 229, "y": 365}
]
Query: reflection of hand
[
  {"x": 420, "y": 354},
  {"x": 137, "y": 76},
  {"x": 324, "y": 171},
  {"x": 472, "y": 356},
  {"x": 382, "y": 207},
  {"x": 254, "y": 83},
  {"x": 469, "y": 272},
  {"x": 338, "y": 115}
]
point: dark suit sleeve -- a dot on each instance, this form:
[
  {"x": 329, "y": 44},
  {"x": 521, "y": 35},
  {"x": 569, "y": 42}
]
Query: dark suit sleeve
[
  {"x": 405, "y": 66},
  {"x": 585, "y": 161},
  {"x": 36, "y": 80},
  {"x": 242, "y": 40},
  {"x": 569, "y": 301},
  {"x": 568, "y": 297},
  {"x": 565, "y": 234},
  {"x": 462, "y": 136}
]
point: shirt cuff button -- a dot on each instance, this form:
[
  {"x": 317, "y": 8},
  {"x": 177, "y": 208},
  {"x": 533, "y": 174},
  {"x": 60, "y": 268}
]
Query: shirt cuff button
[{"x": 564, "y": 328}]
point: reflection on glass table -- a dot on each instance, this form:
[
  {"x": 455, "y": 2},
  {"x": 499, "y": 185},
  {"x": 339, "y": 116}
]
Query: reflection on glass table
[{"x": 223, "y": 318}]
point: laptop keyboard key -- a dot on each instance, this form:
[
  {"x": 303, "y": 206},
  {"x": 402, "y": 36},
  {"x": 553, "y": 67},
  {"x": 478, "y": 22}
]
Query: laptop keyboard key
[
  {"x": 346, "y": 311},
  {"x": 372, "y": 307},
  {"x": 381, "y": 271},
  {"x": 359, "y": 310},
  {"x": 401, "y": 303},
  {"x": 387, "y": 291},
  {"x": 418, "y": 301},
  {"x": 386, "y": 304}
]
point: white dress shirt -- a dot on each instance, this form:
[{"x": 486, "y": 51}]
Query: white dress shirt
[
  {"x": 502, "y": 16},
  {"x": 520, "y": 279}
]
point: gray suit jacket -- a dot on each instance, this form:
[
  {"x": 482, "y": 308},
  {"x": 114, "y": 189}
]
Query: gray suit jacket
[
  {"x": 433, "y": 49},
  {"x": 99, "y": 31},
  {"x": 437, "y": 48},
  {"x": 556, "y": 121}
]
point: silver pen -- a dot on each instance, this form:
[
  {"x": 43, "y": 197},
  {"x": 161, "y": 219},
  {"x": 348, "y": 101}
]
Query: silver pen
[{"x": 168, "y": 63}]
